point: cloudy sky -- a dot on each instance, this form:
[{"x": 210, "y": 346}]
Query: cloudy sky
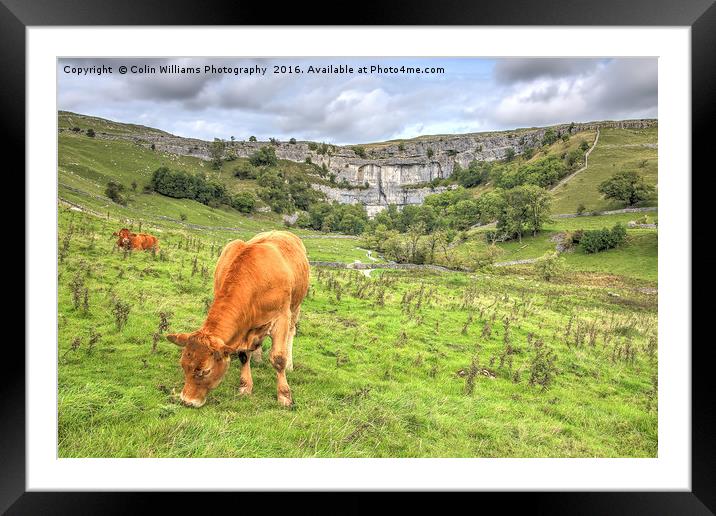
[{"x": 471, "y": 95}]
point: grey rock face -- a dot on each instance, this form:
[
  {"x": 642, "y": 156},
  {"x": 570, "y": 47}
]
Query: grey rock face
[{"x": 390, "y": 169}]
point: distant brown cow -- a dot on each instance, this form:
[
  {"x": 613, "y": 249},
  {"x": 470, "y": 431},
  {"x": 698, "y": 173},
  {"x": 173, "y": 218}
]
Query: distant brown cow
[
  {"x": 128, "y": 240},
  {"x": 258, "y": 289}
]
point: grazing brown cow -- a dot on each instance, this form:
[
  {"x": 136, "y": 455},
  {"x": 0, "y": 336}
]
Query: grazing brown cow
[
  {"x": 258, "y": 289},
  {"x": 128, "y": 240}
]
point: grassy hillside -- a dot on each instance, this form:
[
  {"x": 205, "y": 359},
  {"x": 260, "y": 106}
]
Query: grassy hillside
[
  {"x": 466, "y": 371},
  {"x": 86, "y": 164},
  {"x": 497, "y": 363},
  {"x": 617, "y": 150}
]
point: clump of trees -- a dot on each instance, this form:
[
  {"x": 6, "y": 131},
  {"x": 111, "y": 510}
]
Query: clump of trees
[
  {"x": 286, "y": 194},
  {"x": 184, "y": 185},
  {"x": 343, "y": 218},
  {"x": 543, "y": 172},
  {"x": 628, "y": 187},
  {"x": 476, "y": 173}
]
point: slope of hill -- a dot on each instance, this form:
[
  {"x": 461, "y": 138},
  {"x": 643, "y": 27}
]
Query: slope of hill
[
  {"x": 618, "y": 150},
  {"x": 374, "y": 175}
]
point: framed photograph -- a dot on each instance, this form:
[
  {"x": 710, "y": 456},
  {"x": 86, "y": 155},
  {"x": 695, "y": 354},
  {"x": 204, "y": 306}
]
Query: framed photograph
[{"x": 436, "y": 252}]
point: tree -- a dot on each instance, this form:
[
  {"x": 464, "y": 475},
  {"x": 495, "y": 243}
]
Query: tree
[
  {"x": 550, "y": 136},
  {"x": 430, "y": 152},
  {"x": 216, "y": 152},
  {"x": 510, "y": 154},
  {"x": 292, "y": 141},
  {"x": 264, "y": 157},
  {"x": 524, "y": 207},
  {"x": 464, "y": 214},
  {"x": 114, "y": 191},
  {"x": 252, "y": 138},
  {"x": 90, "y": 132},
  {"x": 627, "y": 186}
]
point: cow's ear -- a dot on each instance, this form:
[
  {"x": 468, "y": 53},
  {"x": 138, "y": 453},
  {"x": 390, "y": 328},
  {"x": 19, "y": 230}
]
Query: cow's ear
[{"x": 180, "y": 339}]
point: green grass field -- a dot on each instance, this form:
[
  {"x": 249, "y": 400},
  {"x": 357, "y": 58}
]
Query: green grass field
[
  {"x": 369, "y": 380},
  {"x": 496, "y": 363},
  {"x": 616, "y": 151}
]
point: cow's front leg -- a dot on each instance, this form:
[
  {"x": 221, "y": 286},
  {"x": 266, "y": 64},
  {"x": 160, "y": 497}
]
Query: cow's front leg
[
  {"x": 279, "y": 358},
  {"x": 246, "y": 383}
]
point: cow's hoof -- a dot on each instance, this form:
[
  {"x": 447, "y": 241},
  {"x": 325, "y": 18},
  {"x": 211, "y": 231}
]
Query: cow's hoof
[
  {"x": 285, "y": 401},
  {"x": 245, "y": 391}
]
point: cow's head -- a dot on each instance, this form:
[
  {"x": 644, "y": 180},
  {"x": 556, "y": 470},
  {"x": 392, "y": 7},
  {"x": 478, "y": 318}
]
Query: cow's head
[
  {"x": 205, "y": 360},
  {"x": 123, "y": 238}
]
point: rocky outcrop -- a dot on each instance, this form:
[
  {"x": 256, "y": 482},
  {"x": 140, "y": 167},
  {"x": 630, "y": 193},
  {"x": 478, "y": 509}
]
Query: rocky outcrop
[{"x": 390, "y": 172}]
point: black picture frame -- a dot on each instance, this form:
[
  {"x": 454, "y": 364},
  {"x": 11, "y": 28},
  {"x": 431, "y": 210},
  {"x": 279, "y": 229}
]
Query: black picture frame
[{"x": 700, "y": 15}]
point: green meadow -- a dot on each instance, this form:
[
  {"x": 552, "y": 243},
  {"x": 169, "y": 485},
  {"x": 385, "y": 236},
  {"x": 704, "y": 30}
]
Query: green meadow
[{"x": 396, "y": 363}]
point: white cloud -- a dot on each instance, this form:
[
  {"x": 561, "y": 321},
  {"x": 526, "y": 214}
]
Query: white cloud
[{"x": 473, "y": 95}]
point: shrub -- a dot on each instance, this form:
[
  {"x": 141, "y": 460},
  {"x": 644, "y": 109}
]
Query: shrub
[
  {"x": 265, "y": 156},
  {"x": 549, "y": 265},
  {"x": 429, "y": 152},
  {"x": 510, "y": 154},
  {"x": 583, "y": 146},
  {"x": 245, "y": 171},
  {"x": 581, "y": 208},
  {"x": 245, "y": 202},
  {"x": 573, "y": 157},
  {"x": 90, "y": 133},
  {"x": 594, "y": 241},
  {"x": 359, "y": 150},
  {"x": 401, "y": 147},
  {"x": 114, "y": 191},
  {"x": 292, "y": 141}
]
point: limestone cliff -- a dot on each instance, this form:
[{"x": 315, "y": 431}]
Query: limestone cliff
[{"x": 386, "y": 171}]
